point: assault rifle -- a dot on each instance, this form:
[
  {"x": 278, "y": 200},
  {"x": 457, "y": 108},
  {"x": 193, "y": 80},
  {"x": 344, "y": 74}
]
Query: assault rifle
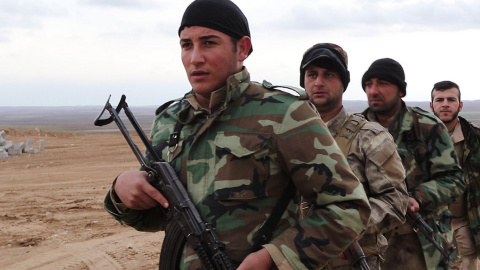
[
  {"x": 419, "y": 224},
  {"x": 355, "y": 255},
  {"x": 199, "y": 234}
]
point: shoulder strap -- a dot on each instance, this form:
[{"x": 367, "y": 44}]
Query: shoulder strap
[
  {"x": 348, "y": 131},
  {"x": 165, "y": 105},
  {"x": 266, "y": 230},
  {"x": 302, "y": 94}
]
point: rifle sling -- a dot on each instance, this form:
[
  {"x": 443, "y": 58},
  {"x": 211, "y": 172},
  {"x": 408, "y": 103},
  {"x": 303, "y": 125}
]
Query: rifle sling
[
  {"x": 174, "y": 240},
  {"x": 266, "y": 230}
]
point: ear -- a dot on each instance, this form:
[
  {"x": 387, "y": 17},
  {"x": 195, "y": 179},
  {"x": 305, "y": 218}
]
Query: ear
[
  {"x": 431, "y": 106},
  {"x": 460, "y": 106},
  {"x": 243, "y": 47}
]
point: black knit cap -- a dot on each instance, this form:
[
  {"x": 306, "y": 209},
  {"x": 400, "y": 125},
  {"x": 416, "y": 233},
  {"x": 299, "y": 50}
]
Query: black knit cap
[
  {"x": 220, "y": 15},
  {"x": 389, "y": 70},
  {"x": 329, "y": 56}
]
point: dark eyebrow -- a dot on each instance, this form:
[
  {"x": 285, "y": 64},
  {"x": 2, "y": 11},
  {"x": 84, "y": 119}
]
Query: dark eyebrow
[
  {"x": 209, "y": 37},
  {"x": 201, "y": 38}
]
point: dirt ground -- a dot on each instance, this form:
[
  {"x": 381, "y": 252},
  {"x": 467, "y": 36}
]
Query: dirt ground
[{"x": 51, "y": 205}]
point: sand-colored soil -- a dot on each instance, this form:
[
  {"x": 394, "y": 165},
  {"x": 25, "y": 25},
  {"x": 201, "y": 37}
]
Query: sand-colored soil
[{"x": 51, "y": 206}]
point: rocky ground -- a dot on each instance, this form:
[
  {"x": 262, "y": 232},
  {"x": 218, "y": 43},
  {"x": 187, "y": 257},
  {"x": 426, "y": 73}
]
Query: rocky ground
[{"x": 51, "y": 212}]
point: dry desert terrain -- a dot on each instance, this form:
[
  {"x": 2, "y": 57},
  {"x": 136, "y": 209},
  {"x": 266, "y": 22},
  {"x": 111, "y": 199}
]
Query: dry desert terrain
[{"x": 51, "y": 205}]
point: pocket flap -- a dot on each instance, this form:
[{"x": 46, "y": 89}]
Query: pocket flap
[{"x": 242, "y": 144}]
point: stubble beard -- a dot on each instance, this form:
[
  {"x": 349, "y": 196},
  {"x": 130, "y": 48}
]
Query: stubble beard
[{"x": 448, "y": 121}]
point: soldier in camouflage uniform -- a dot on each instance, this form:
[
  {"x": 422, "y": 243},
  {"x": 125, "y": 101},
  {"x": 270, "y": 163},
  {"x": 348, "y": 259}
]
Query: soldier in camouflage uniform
[
  {"x": 241, "y": 144},
  {"x": 433, "y": 176},
  {"x": 372, "y": 154},
  {"x": 446, "y": 104}
]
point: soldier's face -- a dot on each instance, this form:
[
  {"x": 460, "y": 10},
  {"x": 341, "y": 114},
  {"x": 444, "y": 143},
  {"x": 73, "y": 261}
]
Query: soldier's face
[
  {"x": 209, "y": 58},
  {"x": 383, "y": 97},
  {"x": 324, "y": 87},
  {"x": 446, "y": 104}
]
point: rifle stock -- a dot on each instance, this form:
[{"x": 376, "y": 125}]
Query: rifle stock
[{"x": 199, "y": 234}]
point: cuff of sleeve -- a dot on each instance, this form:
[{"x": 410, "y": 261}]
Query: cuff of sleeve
[
  {"x": 280, "y": 261},
  {"x": 117, "y": 203}
]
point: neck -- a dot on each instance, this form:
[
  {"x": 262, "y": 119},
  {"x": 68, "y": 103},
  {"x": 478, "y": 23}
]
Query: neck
[
  {"x": 328, "y": 115},
  {"x": 384, "y": 117},
  {"x": 451, "y": 125}
]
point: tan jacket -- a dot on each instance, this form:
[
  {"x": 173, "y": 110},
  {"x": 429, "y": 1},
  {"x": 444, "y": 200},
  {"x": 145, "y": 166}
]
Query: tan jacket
[{"x": 374, "y": 159}]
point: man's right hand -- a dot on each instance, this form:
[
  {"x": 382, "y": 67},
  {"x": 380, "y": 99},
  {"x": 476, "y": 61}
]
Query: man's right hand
[
  {"x": 413, "y": 205},
  {"x": 135, "y": 192}
]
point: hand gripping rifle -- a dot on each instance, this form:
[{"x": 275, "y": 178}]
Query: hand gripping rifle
[
  {"x": 200, "y": 235},
  {"x": 418, "y": 223},
  {"x": 355, "y": 255}
]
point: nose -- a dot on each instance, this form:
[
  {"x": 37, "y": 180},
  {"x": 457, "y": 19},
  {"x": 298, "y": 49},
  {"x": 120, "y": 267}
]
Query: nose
[
  {"x": 371, "y": 89},
  {"x": 196, "y": 56},
  {"x": 318, "y": 81}
]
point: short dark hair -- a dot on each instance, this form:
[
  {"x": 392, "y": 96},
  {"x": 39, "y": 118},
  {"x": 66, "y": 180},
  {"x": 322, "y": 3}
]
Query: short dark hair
[
  {"x": 234, "y": 42},
  {"x": 445, "y": 85}
]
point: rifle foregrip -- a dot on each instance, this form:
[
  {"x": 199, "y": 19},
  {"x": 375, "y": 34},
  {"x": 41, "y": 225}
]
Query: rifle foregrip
[{"x": 222, "y": 261}]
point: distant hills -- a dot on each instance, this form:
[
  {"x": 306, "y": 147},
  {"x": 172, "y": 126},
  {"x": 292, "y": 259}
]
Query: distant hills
[
  {"x": 80, "y": 118},
  {"x": 68, "y": 118}
]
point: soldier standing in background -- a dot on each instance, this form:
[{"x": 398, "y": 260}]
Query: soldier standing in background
[
  {"x": 369, "y": 148},
  {"x": 433, "y": 176},
  {"x": 446, "y": 104}
]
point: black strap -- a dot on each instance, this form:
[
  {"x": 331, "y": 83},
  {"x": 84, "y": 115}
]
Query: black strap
[
  {"x": 266, "y": 230},
  {"x": 174, "y": 240},
  {"x": 175, "y": 135}
]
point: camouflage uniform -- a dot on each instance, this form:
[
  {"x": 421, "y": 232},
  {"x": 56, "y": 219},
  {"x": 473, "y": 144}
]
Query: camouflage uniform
[
  {"x": 434, "y": 178},
  {"x": 374, "y": 159},
  {"x": 236, "y": 162},
  {"x": 466, "y": 210}
]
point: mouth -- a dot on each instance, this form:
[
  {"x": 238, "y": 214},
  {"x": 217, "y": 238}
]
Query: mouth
[
  {"x": 319, "y": 93},
  {"x": 198, "y": 74}
]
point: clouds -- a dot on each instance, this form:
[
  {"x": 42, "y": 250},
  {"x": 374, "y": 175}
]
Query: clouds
[
  {"x": 19, "y": 14},
  {"x": 120, "y": 3},
  {"x": 352, "y": 16},
  {"x": 85, "y": 48}
]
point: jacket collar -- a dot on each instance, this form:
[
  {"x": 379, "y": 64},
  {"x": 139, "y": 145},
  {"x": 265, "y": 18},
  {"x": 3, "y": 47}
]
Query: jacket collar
[{"x": 235, "y": 86}]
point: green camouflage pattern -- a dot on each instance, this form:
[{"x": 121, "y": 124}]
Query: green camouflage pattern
[
  {"x": 236, "y": 162},
  {"x": 433, "y": 174},
  {"x": 374, "y": 159},
  {"x": 470, "y": 162}
]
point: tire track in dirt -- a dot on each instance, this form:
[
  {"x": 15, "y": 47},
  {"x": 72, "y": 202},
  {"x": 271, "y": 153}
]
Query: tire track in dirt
[{"x": 99, "y": 253}]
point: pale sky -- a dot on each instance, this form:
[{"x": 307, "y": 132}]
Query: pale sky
[{"x": 78, "y": 52}]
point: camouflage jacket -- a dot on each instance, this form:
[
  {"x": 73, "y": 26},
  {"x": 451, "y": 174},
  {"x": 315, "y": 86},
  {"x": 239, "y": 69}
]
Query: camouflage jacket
[
  {"x": 433, "y": 175},
  {"x": 374, "y": 159},
  {"x": 470, "y": 162},
  {"x": 236, "y": 162}
]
